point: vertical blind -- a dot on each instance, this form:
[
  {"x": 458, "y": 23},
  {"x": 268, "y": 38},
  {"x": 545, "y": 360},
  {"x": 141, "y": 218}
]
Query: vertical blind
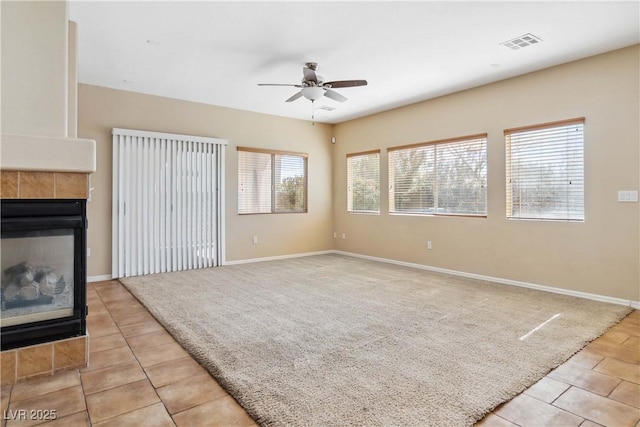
[
  {"x": 545, "y": 171},
  {"x": 446, "y": 177},
  {"x": 271, "y": 181},
  {"x": 167, "y": 202},
  {"x": 363, "y": 182}
]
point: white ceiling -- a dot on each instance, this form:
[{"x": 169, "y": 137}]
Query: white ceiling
[{"x": 217, "y": 52}]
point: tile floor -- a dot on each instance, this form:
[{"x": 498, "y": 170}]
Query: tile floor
[
  {"x": 140, "y": 376},
  {"x": 598, "y": 386}
]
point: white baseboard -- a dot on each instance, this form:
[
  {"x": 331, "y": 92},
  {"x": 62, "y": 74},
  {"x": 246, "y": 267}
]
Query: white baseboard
[
  {"x": 235, "y": 262},
  {"x": 595, "y": 297},
  {"x": 274, "y": 258},
  {"x": 98, "y": 278}
]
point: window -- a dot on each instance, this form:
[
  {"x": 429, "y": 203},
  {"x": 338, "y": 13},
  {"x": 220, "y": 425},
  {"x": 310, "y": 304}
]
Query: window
[
  {"x": 271, "y": 181},
  {"x": 545, "y": 171},
  {"x": 447, "y": 177},
  {"x": 363, "y": 182}
]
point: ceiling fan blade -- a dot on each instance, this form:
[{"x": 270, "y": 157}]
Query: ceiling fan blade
[
  {"x": 278, "y": 84},
  {"x": 334, "y": 95},
  {"x": 294, "y": 97},
  {"x": 309, "y": 75},
  {"x": 346, "y": 83}
]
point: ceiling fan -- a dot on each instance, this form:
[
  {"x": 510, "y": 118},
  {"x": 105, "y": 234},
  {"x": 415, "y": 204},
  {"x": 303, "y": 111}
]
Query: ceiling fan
[{"x": 313, "y": 86}]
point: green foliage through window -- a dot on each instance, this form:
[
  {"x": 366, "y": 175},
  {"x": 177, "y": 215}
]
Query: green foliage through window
[
  {"x": 363, "y": 182},
  {"x": 271, "y": 181},
  {"x": 291, "y": 180},
  {"x": 439, "y": 178},
  {"x": 545, "y": 171}
]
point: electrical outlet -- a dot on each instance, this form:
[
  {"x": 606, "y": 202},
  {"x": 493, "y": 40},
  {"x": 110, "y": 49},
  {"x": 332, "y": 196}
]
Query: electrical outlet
[
  {"x": 255, "y": 240},
  {"x": 344, "y": 236},
  {"x": 88, "y": 251},
  {"x": 335, "y": 235},
  {"x": 429, "y": 246}
]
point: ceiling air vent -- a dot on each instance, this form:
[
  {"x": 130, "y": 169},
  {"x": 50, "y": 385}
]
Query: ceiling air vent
[
  {"x": 326, "y": 108},
  {"x": 522, "y": 41}
]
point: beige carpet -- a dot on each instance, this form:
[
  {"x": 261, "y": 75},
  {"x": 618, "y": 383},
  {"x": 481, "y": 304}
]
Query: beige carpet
[{"x": 332, "y": 340}]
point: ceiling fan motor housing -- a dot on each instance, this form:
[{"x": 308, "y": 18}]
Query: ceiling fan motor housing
[{"x": 319, "y": 78}]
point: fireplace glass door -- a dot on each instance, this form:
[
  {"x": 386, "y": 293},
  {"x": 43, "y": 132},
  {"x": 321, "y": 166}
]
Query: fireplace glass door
[
  {"x": 38, "y": 277},
  {"x": 42, "y": 264}
]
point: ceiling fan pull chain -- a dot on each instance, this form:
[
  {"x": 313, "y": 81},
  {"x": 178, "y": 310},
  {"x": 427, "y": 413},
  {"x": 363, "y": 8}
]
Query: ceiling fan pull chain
[{"x": 313, "y": 113}]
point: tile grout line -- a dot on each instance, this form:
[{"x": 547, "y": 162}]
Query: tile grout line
[
  {"x": 4, "y": 420},
  {"x": 15, "y": 378},
  {"x": 53, "y": 359},
  {"x": 84, "y": 397},
  {"x": 508, "y": 420},
  {"x": 588, "y": 391},
  {"x": 616, "y": 400},
  {"x": 46, "y": 394},
  {"x": 551, "y": 404}
]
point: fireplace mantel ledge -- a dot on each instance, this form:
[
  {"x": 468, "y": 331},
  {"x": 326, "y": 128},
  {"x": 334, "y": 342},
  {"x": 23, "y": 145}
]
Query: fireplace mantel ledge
[{"x": 45, "y": 153}]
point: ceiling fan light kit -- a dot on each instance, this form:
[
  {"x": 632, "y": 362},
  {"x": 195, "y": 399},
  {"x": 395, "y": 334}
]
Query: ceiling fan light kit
[
  {"x": 312, "y": 93},
  {"x": 313, "y": 86}
]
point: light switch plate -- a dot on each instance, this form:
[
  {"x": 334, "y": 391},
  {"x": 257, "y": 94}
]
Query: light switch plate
[{"x": 628, "y": 196}]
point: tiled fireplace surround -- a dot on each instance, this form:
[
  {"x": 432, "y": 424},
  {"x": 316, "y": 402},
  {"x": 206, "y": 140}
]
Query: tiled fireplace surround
[{"x": 48, "y": 358}]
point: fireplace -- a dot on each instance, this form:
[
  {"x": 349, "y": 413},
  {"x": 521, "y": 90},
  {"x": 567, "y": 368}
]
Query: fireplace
[
  {"x": 45, "y": 171},
  {"x": 43, "y": 268}
]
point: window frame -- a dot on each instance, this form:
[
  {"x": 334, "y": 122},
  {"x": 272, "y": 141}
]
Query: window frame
[
  {"x": 350, "y": 193},
  {"x": 273, "y": 195},
  {"x": 508, "y": 171},
  {"x": 461, "y": 139}
]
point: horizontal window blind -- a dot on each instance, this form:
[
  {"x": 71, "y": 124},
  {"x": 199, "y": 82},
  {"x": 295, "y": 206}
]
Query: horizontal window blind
[
  {"x": 271, "y": 181},
  {"x": 290, "y": 179},
  {"x": 447, "y": 177},
  {"x": 545, "y": 171},
  {"x": 167, "y": 202},
  {"x": 363, "y": 182},
  {"x": 254, "y": 182}
]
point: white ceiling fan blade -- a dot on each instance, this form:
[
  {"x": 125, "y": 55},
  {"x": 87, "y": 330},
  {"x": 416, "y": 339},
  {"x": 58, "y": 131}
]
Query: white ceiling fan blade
[
  {"x": 334, "y": 95},
  {"x": 294, "y": 97}
]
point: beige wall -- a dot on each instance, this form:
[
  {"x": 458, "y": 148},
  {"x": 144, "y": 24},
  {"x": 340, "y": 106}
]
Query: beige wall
[
  {"x": 599, "y": 256},
  {"x": 102, "y": 109},
  {"x": 72, "y": 69},
  {"x": 34, "y": 67}
]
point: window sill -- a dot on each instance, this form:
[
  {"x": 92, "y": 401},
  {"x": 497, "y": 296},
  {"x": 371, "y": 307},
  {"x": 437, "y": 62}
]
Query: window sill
[
  {"x": 363, "y": 213},
  {"x": 545, "y": 219},
  {"x": 271, "y": 213},
  {"x": 434, "y": 215}
]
